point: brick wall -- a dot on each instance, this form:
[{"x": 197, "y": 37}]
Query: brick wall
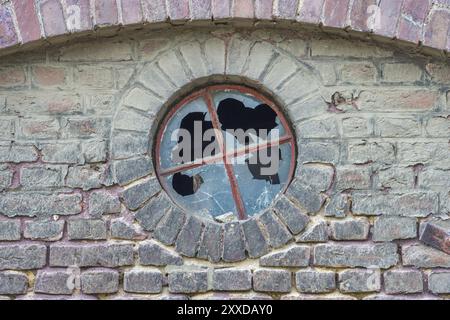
[{"x": 82, "y": 214}]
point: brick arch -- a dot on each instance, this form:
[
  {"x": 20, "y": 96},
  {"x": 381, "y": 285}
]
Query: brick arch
[{"x": 418, "y": 22}]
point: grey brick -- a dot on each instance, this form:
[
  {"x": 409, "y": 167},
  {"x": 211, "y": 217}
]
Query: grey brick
[
  {"x": 138, "y": 194},
  {"x": 129, "y": 170},
  {"x": 316, "y": 176},
  {"x": 233, "y": 243},
  {"x": 323, "y": 128},
  {"x": 356, "y": 229},
  {"x": 22, "y": 257},
  {"x": 232, "y": 279},
  {"x": 292, "y": 216},
  {"x": 393, "y": 228},
  {"x": 315, "y": 232},
  {"x": 293, "y": 257},
  {"x": 153, "y": 211},
  {"x": 122, "y": 229},
  {"x": 188, "y": 281},
  {"x": 424, "y": 257},
  {"x": 91, "y": 255},
  {"x": 265, "y": 280},
  {"x": 99, "y": 281},
  {"x": 143, "y": 281},
  {"x": 47, "y": 230},
  {"x": 62, "y": 152},
  {"x": 38, "y": 177},
  {"x": 39, "y": 204},
  {"x": 211, "y": 242},
  {"x": 12, "y": 282},
  {"x": 366, "y": 152},
  {"x": 127, "y": 145},
  {"x": 403, "y": 281},
  {"x": 357, "y": 255},
  {"x": 311, "y": 151},
  {"x": 312, "y": 281},
  {"x": 102, "y": 202},
  {"x": 352, "y": 177},
  {"x": 9, "y": 230},
  {"x": 414, "y": 204},
  {"x": 256, "y": 243},
  {"x": 94, "y": 151},
  {"x": 17, "y": 153},
  {"x": 311, "y": 200},
  {"x": 153, "y": 254},
  {"x": 88, "y": 177},
  {"x": 278, "y": 234},
  {"x": 54, "y": 282},
  {"x": 360, "y": 280},
  {"x": 338, "y": 206},
  {"x": 6, "y": 176},
  {"x": 189, "y": 237},
  {"x": 86, "y": 229},
  {"x": 169, "y": 227},
  {"x": 439, "y": 282}
]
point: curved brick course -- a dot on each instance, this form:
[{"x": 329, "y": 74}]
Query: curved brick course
[{"x": 421, "y": 22}]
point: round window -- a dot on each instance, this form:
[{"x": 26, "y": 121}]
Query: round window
[{"x": 225, "y": 152}]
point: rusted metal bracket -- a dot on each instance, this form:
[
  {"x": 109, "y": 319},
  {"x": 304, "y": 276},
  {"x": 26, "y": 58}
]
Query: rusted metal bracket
[{"x": 437, "y": 235}]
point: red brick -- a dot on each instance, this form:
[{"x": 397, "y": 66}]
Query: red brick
[
  {"x": 335, "y": 13},
  {"x": 27, "y": 20},
  {"x": 287, "y": 9},
  {"x": 437, "y": 30},
  {"x": 12, "y": 76},
  {"x": 221, "y": 9},
  {"x": 8, "y": 35},
  {"x": 390, "y": 13},
  {"x": 49, "y": 76},
  {"x": 154, "y": 10},
  {"x": 106, "y": 12},
  {"x": 201, "y": 9},
  {"x": 416, "y": 10},
  {"x": 131, "y": 11},
  {"x": 359, "y": 16},
  {"x": 310, "y": 11},
  {"x": 78, "y": 15},
  {"x": 53, "y": 18},
  {"x": 408, "y": 31},
  {"x": 178, "y": 10},
  {"x": 263, "y": 9},
  {"x": 243, "y": 9}
]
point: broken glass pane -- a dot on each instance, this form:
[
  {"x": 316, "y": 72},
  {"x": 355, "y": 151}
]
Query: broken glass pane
[{"x": 205, "y": 190}]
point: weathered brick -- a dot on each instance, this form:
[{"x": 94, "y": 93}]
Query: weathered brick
[
  {"x": 39, "y": 204},
  {"x": 86, "y": 229},
  {"x": 401, "y": 72},
  {"x": 22, "y": 257},
  {"x": 211, "y": 244},
  {"x": 136, "y": 195},
  {"x": 335, "y": 13},
  {"x": 188, "y": 239},
  {"x": 357, "y": 255},
  {"x": 170, "y": 226},
  {"x": 88, "y": 176},
  {"x": 424, "y": 257},
  {"x": 7, "y": 128},
  {"x": 439, "y": 282},
  {"x": 434, "y": 178},
  {"x": 37, "y": 177},
  {"x": 397, "y": 127},
  {"x": 403, "y": 281},
  {"x": 438, "y": 126},
  {"x": 9, "y": 230},
  {"x": 8, "y": 35},
  {"x": 292, "y": 216},
  {"x": 395, "y": 177},
  {"x": 61, "y": 152},
  {"x": 94, "y": 150},
  {"x": 91, "y": 255},
  {"x": 27, "y": 19},
  {"x": 18, "y": 153},
  {"x": 155, "y": 10},
  {"x": 354, "y": 127},
  {"x": 12, "y": 77},
  {"x": 294, "y": 257},
  {"x": 355, "y": 229},
  {"x": 423, "y": 152},
  {"x": 318, "y": 152},
  {"x": 360, "y": 280},
  {"x": 312, "y": 281},
  {"x": 123, "y": 229},
  {"x": 194, "y": 281},
  {"x": 277, "y": 233},
  {"x": 103, "y": 202},
  {"x": 323, "y": 128},
  {"x": 316, "y": 176},
  {"x": 232, "y": 279},
  {"x": 358, "y": 72},
  {"x": 393, "y": 228},
  {"x": 362, "y": 152},
  {"x": 83, "y": 127},
  {"x": 315, "y": 232},
  {"x": 39, "y": 128},
  {"x": 100, "y": 50},
  {"x": 352, "y": 177},
  {"x": 338, "y": 206},
  {"x": 132, "y": 13},
  {"x": 49, "y": 76},
  {"x": 53, "y": 282},
  {"x": 310, "y": 11},
  {"x": 153, "y": 254},
  {"x": 127, "y": 144},
  {"x": 438, "y": 72},
  {"x": 99, "y": 281},
  {"x": 233, "y": 243},
  {"x": 436, "y": 30},
  {"x": 414, "y": 204},
  {"x": 129, "y": 170},
  {"x": 12, "y": 282},
  {"x": 309, "y": 199},
  {"x": 143, "y": 281},
  {"x": 153, "y": 211},
  {"x": 345, "y": 48},
  {"x": 142, "y": 100},
  {"x": 266, "y": 280},
  {"x": 31, "y": 103},
  {"x": 47, "y": 230}
]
